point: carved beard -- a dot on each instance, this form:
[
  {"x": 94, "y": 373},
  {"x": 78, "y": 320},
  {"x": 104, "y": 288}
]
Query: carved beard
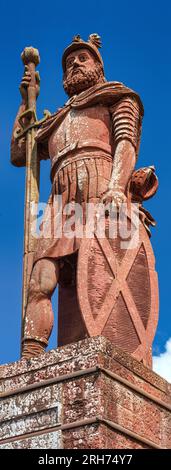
[{"x": 82, "y": 80}]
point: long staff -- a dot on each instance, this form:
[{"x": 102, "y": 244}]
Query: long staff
[{"x": 30, "y": 57}]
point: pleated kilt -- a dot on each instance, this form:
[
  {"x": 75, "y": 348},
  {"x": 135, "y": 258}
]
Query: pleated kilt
[{"x": 82, "y": 179}]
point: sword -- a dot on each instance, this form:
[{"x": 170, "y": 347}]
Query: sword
[{"x": 30, "y": 57}]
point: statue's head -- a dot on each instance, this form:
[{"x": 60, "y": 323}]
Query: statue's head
[{"x": 82, "y": 65}]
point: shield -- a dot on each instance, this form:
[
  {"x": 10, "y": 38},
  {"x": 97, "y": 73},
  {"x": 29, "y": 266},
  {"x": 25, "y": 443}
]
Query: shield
[{"x": 117, "y": 291}]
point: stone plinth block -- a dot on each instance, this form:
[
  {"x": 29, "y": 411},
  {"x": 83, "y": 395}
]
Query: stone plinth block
[{"x": 85, "y": 395}]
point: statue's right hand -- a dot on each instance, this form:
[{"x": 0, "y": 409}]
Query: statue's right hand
[
  {"x": 25, "y": 82},
  {"x": 26, "y": 79}
]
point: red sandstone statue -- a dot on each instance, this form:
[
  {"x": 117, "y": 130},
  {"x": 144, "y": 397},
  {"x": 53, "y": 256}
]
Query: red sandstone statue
[{"x": 93, "y": 144}]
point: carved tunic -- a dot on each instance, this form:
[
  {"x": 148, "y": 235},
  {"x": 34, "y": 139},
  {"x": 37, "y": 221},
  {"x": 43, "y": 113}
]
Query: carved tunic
[
  {"x": 81, "y": 130},
  {"x": 91, "y": 129},
  {"x": 81, "y": 150}
]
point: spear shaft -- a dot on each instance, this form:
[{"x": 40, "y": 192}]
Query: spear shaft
[{"x": 30, "y": 57}]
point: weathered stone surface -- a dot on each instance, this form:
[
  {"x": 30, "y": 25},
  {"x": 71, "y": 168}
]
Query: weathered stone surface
[
  {"x": 108, "y": 283},
  {"x": 71, "y": 392},
  {"x": 31, "y": 402},
  {"x": 98, "y": 437},
  {"x": 51, "y": 440},
  {"x": 34, "y": 422}
]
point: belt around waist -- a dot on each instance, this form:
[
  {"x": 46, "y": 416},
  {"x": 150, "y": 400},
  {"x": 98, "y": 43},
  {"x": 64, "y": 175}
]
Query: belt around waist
[
  {"x": 93, "y": 144},
  {"x": 74, "y": 158}
]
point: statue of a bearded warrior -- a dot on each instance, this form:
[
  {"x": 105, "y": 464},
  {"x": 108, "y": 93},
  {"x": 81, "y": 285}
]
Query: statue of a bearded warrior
[{"x": 92, "y": 143}]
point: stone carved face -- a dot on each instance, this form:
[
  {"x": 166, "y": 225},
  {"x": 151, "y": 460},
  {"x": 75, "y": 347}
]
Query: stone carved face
[{"x": 82, "y": 72}]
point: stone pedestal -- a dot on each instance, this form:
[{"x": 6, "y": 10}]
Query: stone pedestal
[{"x": 84, "y": 395}]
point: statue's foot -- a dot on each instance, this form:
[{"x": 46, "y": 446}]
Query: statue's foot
[{"x": 32, "y": 348}]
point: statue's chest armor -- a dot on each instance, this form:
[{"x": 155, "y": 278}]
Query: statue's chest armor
[{"x": 82, "y": 126}]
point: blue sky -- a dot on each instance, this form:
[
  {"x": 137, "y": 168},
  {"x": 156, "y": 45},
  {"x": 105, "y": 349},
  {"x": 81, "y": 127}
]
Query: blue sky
[{"x": 136, "y": 41}]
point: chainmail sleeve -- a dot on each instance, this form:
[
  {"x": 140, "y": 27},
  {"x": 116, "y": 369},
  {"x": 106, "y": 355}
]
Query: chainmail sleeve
[{"x": 127, "y": 121}]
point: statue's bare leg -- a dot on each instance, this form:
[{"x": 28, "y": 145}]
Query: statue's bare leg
[{"x": 39, "y": 315}]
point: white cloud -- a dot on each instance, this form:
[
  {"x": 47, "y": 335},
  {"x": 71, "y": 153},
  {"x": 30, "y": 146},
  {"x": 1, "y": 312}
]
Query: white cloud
[{"x": 162, "y": 363}]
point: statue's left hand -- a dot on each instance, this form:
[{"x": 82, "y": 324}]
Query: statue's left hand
[{"x": 115, "y": 196}]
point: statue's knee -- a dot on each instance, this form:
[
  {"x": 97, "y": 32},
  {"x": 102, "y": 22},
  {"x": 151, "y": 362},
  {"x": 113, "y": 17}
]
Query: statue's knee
[
  {"x": 47, "y": 284},
  {"x": 34, "y": 287},
  {"x": 44, "y": 278},
  {"x": 43, "y": 286}
]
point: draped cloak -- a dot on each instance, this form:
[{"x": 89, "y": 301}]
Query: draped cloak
[{"x": 80, "y": 140}]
